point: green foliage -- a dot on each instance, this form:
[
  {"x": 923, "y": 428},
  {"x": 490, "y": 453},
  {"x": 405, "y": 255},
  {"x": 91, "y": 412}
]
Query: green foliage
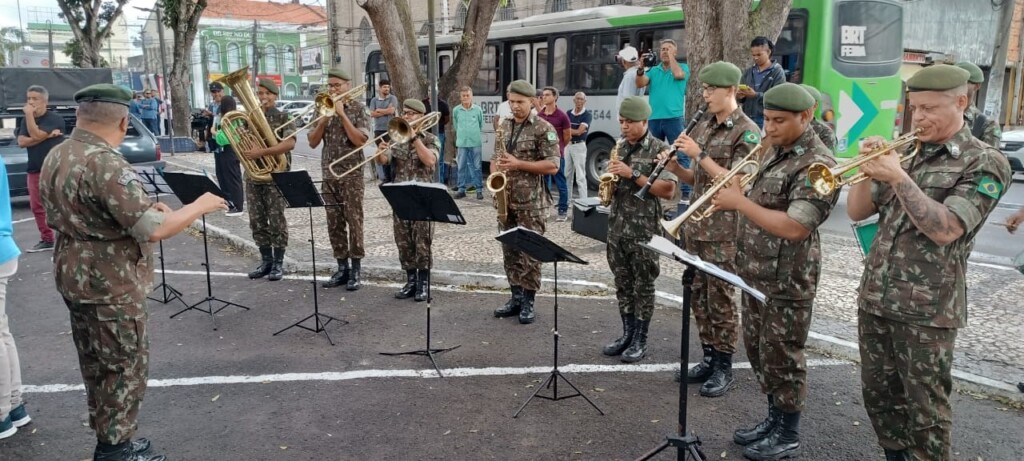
[
  {"x": 73, "y": 49},
  {"x": 11, "y": 39}
]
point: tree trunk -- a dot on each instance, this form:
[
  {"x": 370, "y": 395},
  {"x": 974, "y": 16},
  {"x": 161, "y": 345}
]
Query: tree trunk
[
  {"x": 398, "y": 46},
  {"x": 702, "y": 30},
  {"x": 185, "y": 28}
]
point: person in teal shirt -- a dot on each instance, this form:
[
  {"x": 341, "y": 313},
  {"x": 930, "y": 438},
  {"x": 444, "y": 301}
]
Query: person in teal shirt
[
  {"x": 666, "y": 85},
  {"x": 469, "y": 126},
  {"x": 12, "y": 410}
]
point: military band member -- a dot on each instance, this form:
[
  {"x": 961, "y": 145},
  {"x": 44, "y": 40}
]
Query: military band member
[
  {"x": 631, "y": 223},
  {"x": 531, "y": 152},
  {"x": 103, "y": 262},
  {"x": 984, "y": 128},
  {"x": 824, "y": 132},
  {"x": 413, "y": 161},
  {"x": 780, "y": 250},
  {"x": 266, "y": 204},
  {"x": 913, "y": 294},
  {"x": 717, "y": 144},
  {"x": 345, "y": 132}
]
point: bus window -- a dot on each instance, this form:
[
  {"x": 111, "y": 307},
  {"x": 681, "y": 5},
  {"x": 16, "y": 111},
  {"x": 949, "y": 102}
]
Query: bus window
[
  {"x": 558, "y": 76},
  {"x": 594, "y": 69},
  {"x": 867, "y": 40},
  {"x": 540, "y": 67},
  {"x": 520, "y": 63},
  {"x": 791, "y": 46},
  {"x": 443, "y": 64},
  {"x": 650, "y": 41},
  {"x": 486, "y": 82}
]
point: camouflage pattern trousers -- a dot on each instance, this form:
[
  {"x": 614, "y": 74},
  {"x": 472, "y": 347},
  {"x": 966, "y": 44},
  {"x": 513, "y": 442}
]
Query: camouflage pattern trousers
[
  {"x": 520, "y": 269},
  {"x": 344, "y": 199},
  {"x": 413, "y": 239},
  {"x": 113, "y": 354},
  {"x": 266, "y": 215},
  {"x": 712, "y": 299},
  {"x": 635, "y": 269},
  {"x": 774, "y": 334},
  {"x": 906, "y": 380}
]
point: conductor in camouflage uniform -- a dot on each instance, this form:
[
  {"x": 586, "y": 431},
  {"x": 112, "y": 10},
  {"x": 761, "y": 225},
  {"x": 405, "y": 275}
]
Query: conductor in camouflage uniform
[
  {"x": 530, "y": 153},
  {"x": 913, "y": 294},
  {"x": 982, "y": 127},
  {"x": 103, "y": 262},
  {"x": 346, "y": 132},
  {"x": 824, "y": 132},
  {"x": 413, "y": 161},
  {"x": 781, "y": 254},
  {"x": 631, "y": 222},
  {"x": 266, "y": 204},
  {"x": 718, "y": 143}
]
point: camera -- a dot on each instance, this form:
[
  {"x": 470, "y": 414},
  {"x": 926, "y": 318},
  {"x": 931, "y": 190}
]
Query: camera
[{"x": 650, "y": 59}]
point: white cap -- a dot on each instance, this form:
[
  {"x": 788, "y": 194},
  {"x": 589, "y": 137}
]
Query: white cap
[{"x": 629, "y": 54}]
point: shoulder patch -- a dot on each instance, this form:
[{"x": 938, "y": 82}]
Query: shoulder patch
[
  {"x": 990, "y": 187},
  {"x": 750, "y": 137},
  {"x": 127, "y": 176},
  {"x": 552, "y": 136}
]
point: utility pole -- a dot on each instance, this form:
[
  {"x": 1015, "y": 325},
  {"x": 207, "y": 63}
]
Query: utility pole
[
  {"x": 1015, "y": 111},
  {"x": 49, "y": 39},
  {"x": 994, "y": 90},
  {"x": 432, "y": 61},
  {"x": 255, "y": 54},
  {"x": 145, "y": 59},
  {"x": 332, "y": 35},
  {"x": 446, "y": 27}
]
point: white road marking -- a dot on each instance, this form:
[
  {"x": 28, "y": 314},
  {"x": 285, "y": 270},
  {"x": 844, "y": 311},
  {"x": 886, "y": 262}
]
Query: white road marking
[{"x": 23, "y": 220}]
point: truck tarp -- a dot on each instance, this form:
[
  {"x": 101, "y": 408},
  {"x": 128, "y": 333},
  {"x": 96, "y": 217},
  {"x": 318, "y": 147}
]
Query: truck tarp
[{"x": 62, "y": 84}]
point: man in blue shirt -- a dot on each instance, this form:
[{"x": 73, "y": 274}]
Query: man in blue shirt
[
  {"x": 12, "y": 409},
  {"x": 760, "y": 77},
  {"x": 150, "y": 108},
  {"x": 666, "y": 85},
  {"x": 576, "y": 152}
]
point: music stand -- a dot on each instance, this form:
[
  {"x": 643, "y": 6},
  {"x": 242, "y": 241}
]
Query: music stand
[
  {"x": 299, "y": 191},
  {"x": 431, "y": 202},
  {"x": 155, "y": 185},
  {"x": 540, "y": 248},
  {"x": 189, "y": 187},
  {"x": 686, "y": 442}
]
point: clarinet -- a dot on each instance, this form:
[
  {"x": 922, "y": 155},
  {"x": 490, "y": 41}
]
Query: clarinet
[{"x": 642, "y": 193}]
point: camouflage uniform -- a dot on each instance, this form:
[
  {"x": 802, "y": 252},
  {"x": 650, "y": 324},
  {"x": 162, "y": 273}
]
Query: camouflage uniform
[
  {"x": 825, "y": 134},
  {"x": 103, "y": 267},
  {"x": 344, "y": 197},
  {"x": 533, "y": 140},
  {"x": 632, "y": 222},
  {"x": 413, "y": 237},
  {"x": 992, "y": 133},
  {"x": 266, "y": 204},
  {"x": 787, "y": 272},
  {"x": 913, "y": 295},
  {"x": 713, "y": 239}
]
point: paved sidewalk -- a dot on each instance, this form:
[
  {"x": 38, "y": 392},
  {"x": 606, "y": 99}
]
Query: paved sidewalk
[{"x": 989, "y": 355}]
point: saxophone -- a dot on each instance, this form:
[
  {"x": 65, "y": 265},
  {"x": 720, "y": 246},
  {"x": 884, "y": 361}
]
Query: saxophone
[
  {"x": 606, "y": 189},
  {"x": 497, "y": 181}
]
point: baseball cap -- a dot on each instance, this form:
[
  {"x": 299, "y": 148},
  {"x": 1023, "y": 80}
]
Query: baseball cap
[
  {"x": 216, "y": 86},
  {"x": 629, "y": 54}
]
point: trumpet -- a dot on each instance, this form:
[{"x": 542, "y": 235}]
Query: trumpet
[
  {"x": 323, "y": 105},
  {"x": 826, "y": 179},
  {"x": 399, "y": 130},
  {"x": 745, "y": 166}
]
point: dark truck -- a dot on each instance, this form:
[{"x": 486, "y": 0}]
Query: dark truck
[{"x": 139, "y": 147}]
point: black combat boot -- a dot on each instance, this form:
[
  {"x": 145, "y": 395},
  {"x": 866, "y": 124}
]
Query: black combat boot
[
  {"x": 638, "y": 347},
  {"x": 354, "y": 283},
  {"x": 721, "y": 378},
  {"x": 126, "y": 451},
  {"x": 782, "y": 442},
  {"x": 622, "y": 342},
  {"x": 513, "y": 305},
  {"x": 340, "y": 277},
  {"x": 421, "y": 285},
  {"x": 896, "y": 455},
  {"x": 526, "y": 314},
  {"x": 277, "y": 270},
  {"x": 761, "y": 430},
  {"x": 702, "y": 370},
  {"x": 410, "y": 285},
  {"x": 266, "y": 263},
  {"x": 141, "y": 445}
]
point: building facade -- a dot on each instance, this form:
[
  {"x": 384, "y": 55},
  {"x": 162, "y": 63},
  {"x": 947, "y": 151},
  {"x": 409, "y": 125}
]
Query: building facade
[{"x": 40, "y": 35}]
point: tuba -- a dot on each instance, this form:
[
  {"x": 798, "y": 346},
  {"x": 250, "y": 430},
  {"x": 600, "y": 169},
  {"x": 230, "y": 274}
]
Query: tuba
[
  {"x": 606, "y": 189},
  {"x": 497, "y": 181},
  {"x": 250, "y": 129}
]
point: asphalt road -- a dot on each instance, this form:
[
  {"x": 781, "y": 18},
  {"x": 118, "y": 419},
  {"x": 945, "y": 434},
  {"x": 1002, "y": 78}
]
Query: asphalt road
[{"x": 240, "y": 393}]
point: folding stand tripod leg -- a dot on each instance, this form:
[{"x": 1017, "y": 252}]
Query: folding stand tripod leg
[
  {"x": 555, "y": 374},
  {"x": 210, "y": 299},
  {"x": 169, "y": 292},
  {"x": 316, "y": 315}
]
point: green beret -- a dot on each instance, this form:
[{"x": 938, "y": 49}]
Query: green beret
[
  {"x": 635, "y": 108},
  {"x": 522, "y": 87},
  {"x": 104, "y": 92},
  {"x": 338, "y": 73},
  {"x": 977, "y": 76},
  {"x": 416, "y": 105},
  {"x": 721, "y": 74},
  {"x": 940, "y": 77},
  {"x": 813, "y": 92},
  {"x": 269, "y": 85},
  {"x": 788, "y": 97}
]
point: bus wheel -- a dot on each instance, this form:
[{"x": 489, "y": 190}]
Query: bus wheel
[{"x": 598, "y": 150}]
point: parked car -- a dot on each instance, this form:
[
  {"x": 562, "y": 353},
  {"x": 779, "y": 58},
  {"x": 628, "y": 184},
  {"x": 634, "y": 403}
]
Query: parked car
[
  {"x": 1012, "y": 144},
  {"x": 139, "y": 148},
  {"x": 295, "y": 108}
]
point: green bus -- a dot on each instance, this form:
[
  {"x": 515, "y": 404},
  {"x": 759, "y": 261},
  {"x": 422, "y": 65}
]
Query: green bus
[{"x": 850, "y": 49}]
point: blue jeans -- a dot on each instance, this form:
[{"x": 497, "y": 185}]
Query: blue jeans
[
  {"x": 668, "y": 129},
  {"x": 563, "y": 188},
  {"x": 153, "y": 124},
  {"x": 469, "y": 168},
  {"x": 442, "y": 168}
]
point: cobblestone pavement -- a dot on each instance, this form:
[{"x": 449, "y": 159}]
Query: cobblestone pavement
[{"x": 468, "y": 255}]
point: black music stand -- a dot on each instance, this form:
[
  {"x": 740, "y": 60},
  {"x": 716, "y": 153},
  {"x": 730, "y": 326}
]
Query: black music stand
[
  {"x": 299, "y": 191},
  {"x": 189, "y": 187},
  {"x": 419, "y": 201},
  {"x": 155, "y": 185},
  {"x": 686, "y": 442},
  {"x": 540, "y": 248}
]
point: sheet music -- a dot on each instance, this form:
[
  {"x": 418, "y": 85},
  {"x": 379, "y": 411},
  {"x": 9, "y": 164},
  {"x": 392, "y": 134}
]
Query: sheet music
[
  {"x": 433, "y": 185},
  {"x": 517, "y": 228},
  {"x": 668, "y": 249}
]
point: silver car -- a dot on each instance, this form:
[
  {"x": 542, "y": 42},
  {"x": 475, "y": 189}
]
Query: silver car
[{"x": 1012, "y": 144}]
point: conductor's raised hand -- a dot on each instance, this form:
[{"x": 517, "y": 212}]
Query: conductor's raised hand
[{"x": 209, "y": 202}]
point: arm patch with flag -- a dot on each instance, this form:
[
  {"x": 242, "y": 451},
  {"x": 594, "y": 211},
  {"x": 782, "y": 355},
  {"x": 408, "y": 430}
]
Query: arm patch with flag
[
  {"x": 990, "y": 187},
  {"x": 751, "y": 137}
]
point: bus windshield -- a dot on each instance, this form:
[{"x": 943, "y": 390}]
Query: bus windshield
[{"x": 864, "y": 38}]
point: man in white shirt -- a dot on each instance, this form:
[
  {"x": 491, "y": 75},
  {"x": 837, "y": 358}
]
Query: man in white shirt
[{"x": 630, "y": 60}]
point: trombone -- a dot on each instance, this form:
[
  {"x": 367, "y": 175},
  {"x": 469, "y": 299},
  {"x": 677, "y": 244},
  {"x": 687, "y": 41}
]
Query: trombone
[
  {"x": 745, "y": 166},
  {"x": 323, "y": 105},
  {"x": 399, "y": 131},
  {"x": 826, "y": 179}
]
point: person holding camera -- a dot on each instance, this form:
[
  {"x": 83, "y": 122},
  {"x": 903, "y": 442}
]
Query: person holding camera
[{"x": 666, "y": 84}]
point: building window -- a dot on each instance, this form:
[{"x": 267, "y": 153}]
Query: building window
[
  {"x": 507, "y": 12},
  {"x": 554, "y": 6},
  {"x": 212, "y": 57},
  {"x": 612, "y": 2},
  {"x": 289, "y": 59},
  {"x": 270, "y": 60},
  {"x": 234, "y": 57},
  {"x": 460, "y": 16},
  {"x": 290, "y": 90}
]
